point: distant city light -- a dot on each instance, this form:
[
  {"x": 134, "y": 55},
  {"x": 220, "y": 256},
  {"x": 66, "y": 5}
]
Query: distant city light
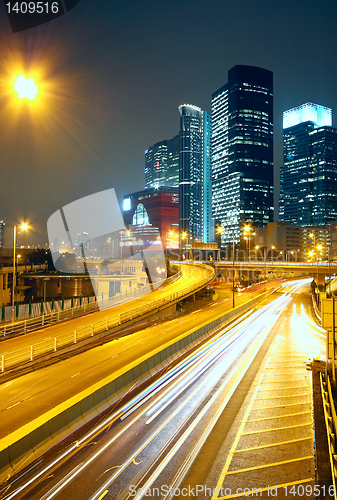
[
  {"x": 25, "y": 87},
  {"x": 127, "y": 204}
]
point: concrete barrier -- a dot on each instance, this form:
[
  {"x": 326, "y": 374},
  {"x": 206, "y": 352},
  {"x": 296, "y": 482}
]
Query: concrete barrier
[{"x": 31, "y": 441}]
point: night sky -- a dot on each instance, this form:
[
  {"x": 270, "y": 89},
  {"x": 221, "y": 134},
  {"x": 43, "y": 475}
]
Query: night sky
[{"x": 111, "y": 76}]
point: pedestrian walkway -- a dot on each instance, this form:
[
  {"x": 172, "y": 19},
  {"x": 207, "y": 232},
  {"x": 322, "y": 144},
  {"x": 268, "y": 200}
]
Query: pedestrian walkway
[{"x": 272, "y": 454}]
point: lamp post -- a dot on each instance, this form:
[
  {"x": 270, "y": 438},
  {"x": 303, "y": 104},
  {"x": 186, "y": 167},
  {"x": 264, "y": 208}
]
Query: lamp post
[
  {"x": 247, "y": 233},
  {"x": 171, "y": 234},
  {"x": 246, "y": 230},
  {"x": 15, "y": 229},
  {"x": 318, "y": 248},
  {"x": 219, "y": 230},
  {"x": 183, "y": 237},
  {"x": 312, "y": 235}
]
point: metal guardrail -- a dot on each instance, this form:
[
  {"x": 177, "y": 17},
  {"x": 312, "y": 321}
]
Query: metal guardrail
[
  {"x": 331, "y": 429},
  {"x": 315, "y": 307},
  {"x": 31, "y": 324},
  {"x": 269, "y": 263},
  {"x": 34, "y": 351}
]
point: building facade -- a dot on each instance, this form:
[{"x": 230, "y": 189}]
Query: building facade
[
  {"x": 195, "y": 189},
  {"x": 162, "y": 164},
  {"x": 242, "y": 150},
  {"x": 156, "y": 208},
  {"x": 208, "y": 223},
  {"x": 308, "y": 187}
]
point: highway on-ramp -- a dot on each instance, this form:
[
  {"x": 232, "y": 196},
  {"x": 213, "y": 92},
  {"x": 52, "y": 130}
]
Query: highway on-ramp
[{"x": 26, "y": 347}]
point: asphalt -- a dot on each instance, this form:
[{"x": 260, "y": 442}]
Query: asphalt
[{"x": 275, "y": 438}]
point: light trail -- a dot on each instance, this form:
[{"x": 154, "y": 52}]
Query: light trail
[
  {"x": 306, "y": 317},
  {"x": 182, "y": 471},
  {"x": 304, "y": 332},
  {"x": 180, "y": 370},
  {"x": 151, "y": 438},
  {"x": 138, "y": 400}
]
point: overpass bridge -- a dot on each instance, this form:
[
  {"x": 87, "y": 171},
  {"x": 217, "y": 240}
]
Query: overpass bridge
[{"x": 318, "y": 271}]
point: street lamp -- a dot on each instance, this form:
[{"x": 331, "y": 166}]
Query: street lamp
[
  {"x": 318, "y": 247},
  {"x": 15, "y": 228},
  {"x": 183, "y": 237},
  {"x": 25, "y": 88},
  {"x": 219, "y": 230},
  {"x": 247, "y": 233},
  {"x": 171, "y": 234}
]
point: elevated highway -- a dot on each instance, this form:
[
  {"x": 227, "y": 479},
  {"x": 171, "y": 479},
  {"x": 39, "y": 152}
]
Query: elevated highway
[
  {"x": 26, "y": 348},
  {"x": 276, "y": 268}
]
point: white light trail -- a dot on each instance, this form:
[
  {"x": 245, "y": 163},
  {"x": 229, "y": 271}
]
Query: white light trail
[{"x": 146, "y": 395}]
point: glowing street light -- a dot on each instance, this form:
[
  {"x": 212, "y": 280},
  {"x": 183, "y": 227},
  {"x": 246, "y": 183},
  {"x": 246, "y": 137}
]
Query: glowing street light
[
  {"x": 247, "y": 233},
  {"x": 25, "y": 87},
  {"x": 317, "y": 248},
  {"x": 183, "y": 236}
]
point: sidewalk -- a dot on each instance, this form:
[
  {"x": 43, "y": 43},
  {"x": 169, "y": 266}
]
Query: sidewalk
[{"x": 273, "y": 452}]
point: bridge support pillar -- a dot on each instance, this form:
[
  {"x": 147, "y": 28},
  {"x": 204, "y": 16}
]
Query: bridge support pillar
[{"x": 321, "y": 279}]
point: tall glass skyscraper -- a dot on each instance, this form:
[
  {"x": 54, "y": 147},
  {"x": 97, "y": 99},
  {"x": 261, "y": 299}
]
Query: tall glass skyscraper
[
  {"x": 308, "y": 187},
  {"x": 242, "y": 149},
  {"x": 162, "y": 164},
  {"x": 195, "y": 173}
]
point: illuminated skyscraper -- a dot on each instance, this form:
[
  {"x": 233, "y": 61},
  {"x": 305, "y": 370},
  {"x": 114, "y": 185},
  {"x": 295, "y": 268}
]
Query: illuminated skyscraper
[
  {"x": 162, "y": 164},
  {"x": 195, "y": 216},
  {"x": 308, "y": 187},
  {"x": 242, "y": 150}
]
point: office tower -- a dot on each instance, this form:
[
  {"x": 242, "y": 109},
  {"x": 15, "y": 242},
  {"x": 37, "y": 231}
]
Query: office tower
[
  {"x": 242, "y": 150},
  {"x": 308, "y": 177},
  {"x": 172, "y": 171},
  {"x": 194, "y": 173},
  {"x": 208, "y": 223},
  {"x": 162, "y": 164},
  {"x": 2, "y": 233}
]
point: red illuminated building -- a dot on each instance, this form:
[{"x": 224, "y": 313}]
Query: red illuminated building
[{"x": 157, "y": 207}]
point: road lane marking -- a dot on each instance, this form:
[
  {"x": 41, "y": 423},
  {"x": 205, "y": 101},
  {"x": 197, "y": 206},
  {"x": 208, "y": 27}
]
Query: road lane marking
[
  {"x": 103, "y": 495},
  {"x": 13, "y": 405},
  {"x": 286, "y": 388},
  {"x": 281, "y": 443},
  {"x": 268, "y": 488},
  {"x": 265, "y": 466},
  {"x": 285, "y": 396},
  {"x": 236, "y": 441},
  {"x": 279, "y": 380},
  {"x": 280, "y": 406},
  {"x": 280, "y": 416},
  {"x": 269, "y": 359},
  {"x": 276, "y": 429}
]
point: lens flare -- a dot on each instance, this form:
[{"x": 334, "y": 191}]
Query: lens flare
[{"x": 25, "y": 87}]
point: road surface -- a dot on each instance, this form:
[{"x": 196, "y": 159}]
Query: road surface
[{"x": 236, "y": 415}]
